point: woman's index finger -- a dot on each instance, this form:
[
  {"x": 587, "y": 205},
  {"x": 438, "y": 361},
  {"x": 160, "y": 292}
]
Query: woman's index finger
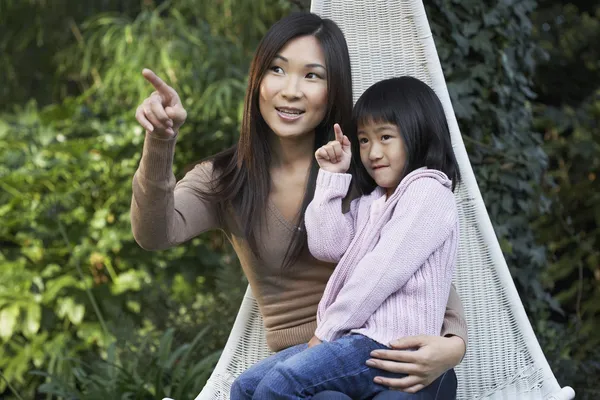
[{"x": 160, "y": 86}]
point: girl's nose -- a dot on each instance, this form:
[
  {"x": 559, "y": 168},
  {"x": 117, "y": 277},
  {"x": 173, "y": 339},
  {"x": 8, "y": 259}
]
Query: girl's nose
[{"x": 375, "y": 153}]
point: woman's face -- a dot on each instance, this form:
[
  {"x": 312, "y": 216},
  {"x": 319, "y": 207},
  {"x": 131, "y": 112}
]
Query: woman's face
[{"x": 293, "y": 91}]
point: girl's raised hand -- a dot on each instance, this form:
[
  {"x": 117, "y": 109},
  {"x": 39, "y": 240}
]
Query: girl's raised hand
[
  {"x": 162, "y": 112},
  {"x": 336, "y": 155}
]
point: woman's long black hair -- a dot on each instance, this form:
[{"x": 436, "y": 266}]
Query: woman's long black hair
[{"x": 242, "y": 172}]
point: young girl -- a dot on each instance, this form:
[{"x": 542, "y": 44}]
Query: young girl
[{"x": 395, "y": 248}]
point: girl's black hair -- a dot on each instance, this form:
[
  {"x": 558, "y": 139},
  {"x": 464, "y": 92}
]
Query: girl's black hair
[
  {"x": 416, "y": 110},
  {"x": 241, "y": 173}
]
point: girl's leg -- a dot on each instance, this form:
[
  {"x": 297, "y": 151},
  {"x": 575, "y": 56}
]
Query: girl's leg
[
  {"x": 245, "y": 384},
  {"x": 336, "y": 366},
  {"x": 443, "y": 388}
]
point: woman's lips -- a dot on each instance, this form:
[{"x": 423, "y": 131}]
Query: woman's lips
[{"x": 289, "y": 115}]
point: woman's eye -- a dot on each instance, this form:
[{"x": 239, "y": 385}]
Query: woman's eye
[
  {"x": 386, "y": 137},
  {"x": 363, "y": 141},
  {"x": 312, "y": 75},
  {"x": 276, "y": 69}
]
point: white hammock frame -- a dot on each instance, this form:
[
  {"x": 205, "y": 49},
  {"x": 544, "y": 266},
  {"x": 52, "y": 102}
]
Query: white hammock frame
[{"x": 504, "y": 359}]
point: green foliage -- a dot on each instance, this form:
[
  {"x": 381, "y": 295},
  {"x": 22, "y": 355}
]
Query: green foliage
[
  {"x": 77, "y": 293},
  {"x": 66, "y": 240},
  {"x": 72, "y": 278},
  {"x": 138, "y": 372},
  {"x": 496, "y": 58},
  {"x": 205, "y": 60},
  {"x": 568, "y": 115},
  {"x": 488, "y": 58},
  {"x": 32, "y": 33}
]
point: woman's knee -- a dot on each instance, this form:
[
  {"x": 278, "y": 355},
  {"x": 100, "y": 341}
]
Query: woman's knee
[
  {"x": 447, "y": 385},
  {"x": 398, "y": 395},
  {"x": 331, "y": 395},
  {"x": 443, "y": 388}
]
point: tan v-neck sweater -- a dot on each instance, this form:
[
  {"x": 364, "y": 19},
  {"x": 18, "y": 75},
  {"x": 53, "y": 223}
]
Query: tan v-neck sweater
[{"x": 165, "y": 213}]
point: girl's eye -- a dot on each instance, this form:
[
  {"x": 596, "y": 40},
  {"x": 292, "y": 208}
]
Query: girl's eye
[
  {"x": 312, "y": 75},
  {"x": 276, "y": 69},
  {"x": 363, "y": 140},
  {"x": 386, "y": 137}
]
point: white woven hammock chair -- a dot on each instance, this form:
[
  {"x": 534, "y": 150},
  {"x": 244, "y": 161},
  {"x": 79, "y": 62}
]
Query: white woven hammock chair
[{"x": 504, "y": 359}]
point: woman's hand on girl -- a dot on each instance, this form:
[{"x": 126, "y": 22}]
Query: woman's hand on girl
[
  {"x": 162, "y": 112},
  {"x": 431, "y": 357},
  {"x": 336, "y": 155}
]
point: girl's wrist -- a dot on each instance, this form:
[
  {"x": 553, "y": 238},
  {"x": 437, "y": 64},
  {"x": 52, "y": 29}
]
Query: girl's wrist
[{"x": 334, "y": 171}]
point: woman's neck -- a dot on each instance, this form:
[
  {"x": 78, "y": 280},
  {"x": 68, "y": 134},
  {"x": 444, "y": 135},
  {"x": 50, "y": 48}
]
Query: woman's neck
[{"x": 292, "y": 152}]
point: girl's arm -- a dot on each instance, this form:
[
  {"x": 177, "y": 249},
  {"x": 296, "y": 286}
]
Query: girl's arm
[
  {"x": 423, "y": 219},
  {"x": 329, "y": 230},
  {"x": 164, "y": 214}
]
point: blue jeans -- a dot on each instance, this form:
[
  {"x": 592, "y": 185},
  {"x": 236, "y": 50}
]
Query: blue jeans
[
  {"x": 299, "y": 372},
  {"x": 443, "y": 388}
]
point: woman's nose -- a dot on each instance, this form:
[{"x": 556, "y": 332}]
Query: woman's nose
[{"x": 291, "y": 88}]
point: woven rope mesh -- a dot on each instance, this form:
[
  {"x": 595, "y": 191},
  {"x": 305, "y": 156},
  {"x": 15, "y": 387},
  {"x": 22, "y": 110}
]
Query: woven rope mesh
[
  {"x": 246, "y": 345},
  {"x": 392, "y": 38}
]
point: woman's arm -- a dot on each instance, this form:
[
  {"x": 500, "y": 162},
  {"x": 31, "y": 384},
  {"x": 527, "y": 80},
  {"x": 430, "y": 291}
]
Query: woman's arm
[
  {"x": 455, "y": 323},
  {"x": 164, "y": 214},
  {"x": 328, "y": 229},
  {"x": 434, "y": 355}
]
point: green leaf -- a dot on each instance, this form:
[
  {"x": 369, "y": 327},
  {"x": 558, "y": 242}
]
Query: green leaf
[
  {"x": 8, "y": 321},
  {"x": 128, "y": 281},
  {"x": 76, "y": 313},
  {"x": 54, "y": 286},
  {"x": 73, "y": 311},
  {"x": 31, "y": 325}
]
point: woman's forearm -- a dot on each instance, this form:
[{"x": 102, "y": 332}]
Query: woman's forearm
[{"x": 164, "y": 214}]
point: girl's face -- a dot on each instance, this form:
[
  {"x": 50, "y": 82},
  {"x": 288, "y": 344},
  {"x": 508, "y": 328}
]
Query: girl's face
[
  {"x": 383, "y": 153},
  {"x": 293, "y": 91}
]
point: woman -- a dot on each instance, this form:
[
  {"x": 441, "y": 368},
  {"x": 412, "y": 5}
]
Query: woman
[{"x": 258, "y": 190}]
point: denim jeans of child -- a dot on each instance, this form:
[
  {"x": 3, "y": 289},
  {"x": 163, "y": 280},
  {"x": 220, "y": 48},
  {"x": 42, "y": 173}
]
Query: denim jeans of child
[{"x": 339, "y": 366}]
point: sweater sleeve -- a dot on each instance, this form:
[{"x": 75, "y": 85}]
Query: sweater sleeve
[
  {"x": 454, "y": 318},
  {"x": 328, "y": 229},
  {"x": 422, "y": 220},
  {"x": 163, "y": 213}
]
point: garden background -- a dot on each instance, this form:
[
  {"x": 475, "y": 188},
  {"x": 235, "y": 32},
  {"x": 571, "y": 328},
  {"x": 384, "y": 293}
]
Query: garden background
[{"x": 85, "y": 313}]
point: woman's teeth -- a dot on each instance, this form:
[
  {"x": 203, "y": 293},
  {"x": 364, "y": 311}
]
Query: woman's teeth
[{"x": 289, "y": 115}]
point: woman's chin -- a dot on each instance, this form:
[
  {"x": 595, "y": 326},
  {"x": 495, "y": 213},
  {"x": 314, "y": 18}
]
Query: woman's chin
[{"x": 293, "y": 134}]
